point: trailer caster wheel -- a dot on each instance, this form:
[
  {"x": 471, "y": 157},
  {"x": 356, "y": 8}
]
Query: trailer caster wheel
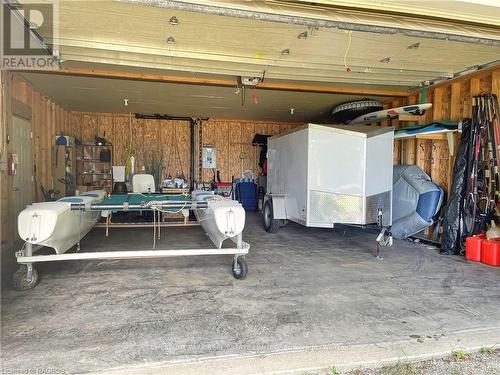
[
  {"x": 239, "y": 268},
  {"x": 20, "y": 279}
]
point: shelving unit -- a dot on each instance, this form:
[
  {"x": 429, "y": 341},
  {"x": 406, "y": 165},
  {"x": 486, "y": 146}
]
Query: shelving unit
[
  {"x": 94, "y": 167},
  {"x": 64, "y": 169}
]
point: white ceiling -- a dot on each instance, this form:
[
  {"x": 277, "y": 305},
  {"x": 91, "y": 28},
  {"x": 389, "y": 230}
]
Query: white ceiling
[{"x": 106, "y": 95}]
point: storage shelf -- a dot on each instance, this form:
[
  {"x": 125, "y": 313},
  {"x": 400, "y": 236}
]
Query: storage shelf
[
  {"x": 94, "y": 174},
  {"x": 89, "y": 158},
  {"x": 89, "y": 145},
  {"x": 94, "y": 161}
]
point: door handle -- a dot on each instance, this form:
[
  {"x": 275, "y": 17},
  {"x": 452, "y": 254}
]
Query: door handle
[{"x": 15, "y": 188}]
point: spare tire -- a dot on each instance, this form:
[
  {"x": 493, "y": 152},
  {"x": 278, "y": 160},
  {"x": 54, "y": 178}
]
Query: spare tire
[{"x": 344, "y": 113}]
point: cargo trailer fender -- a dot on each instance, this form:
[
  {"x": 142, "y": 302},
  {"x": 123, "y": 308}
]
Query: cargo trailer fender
[{"x": 279, "y": 205}]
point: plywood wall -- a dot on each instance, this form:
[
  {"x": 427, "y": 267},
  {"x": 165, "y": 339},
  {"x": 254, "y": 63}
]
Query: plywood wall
[
  {"x": 170, "y": 141},
  {"x": 233, "y": 141}
]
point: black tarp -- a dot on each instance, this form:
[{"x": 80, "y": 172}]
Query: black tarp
[
  {"x": 451, "y": 239},
  {"x": 261, "y": 140}
]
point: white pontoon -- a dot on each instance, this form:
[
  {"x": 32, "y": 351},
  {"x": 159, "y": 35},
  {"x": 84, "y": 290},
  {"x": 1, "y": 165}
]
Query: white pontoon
[
  {"x": 223, "y": 218},
  {"x": 55, "y": 225}
]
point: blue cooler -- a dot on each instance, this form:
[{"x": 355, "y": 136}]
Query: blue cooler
[{"x": 246, "y": 194}]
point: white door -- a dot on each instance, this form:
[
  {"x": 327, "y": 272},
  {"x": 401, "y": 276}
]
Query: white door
[{"x": 22, "y": 183}]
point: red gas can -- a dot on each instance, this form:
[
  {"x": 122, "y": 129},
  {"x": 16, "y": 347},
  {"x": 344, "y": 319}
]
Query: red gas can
[
  {"x": 473, "y": 247},
  {"x": 490, "y": 252}
]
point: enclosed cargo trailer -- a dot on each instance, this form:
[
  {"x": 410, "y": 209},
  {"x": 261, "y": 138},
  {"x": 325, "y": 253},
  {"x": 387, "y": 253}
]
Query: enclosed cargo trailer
[{"x": 322, "y": 175}]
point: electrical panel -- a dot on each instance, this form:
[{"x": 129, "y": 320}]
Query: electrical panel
[{"x": 209, "y": 157}]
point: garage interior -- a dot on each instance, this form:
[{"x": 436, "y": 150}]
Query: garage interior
[{"x": 160, "y": 80}]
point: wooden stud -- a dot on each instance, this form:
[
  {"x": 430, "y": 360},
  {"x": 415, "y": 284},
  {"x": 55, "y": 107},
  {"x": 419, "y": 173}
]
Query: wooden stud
[
  {"x": 455, "y": 110},
  {"x": 495, "y": 83},
  {"x": 396, "y": 123},
  {"x": 439, "y": 149},
  {"x": 475, "y": 86}
]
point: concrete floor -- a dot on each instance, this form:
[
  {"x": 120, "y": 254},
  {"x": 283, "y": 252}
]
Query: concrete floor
[{"x": 308, "y": 290}]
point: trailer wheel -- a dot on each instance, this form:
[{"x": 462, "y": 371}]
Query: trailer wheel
[
  {"x": 20, "y": 279},
  {"x": 239, "y": 268},
  {"x": 271, "y": 225}
]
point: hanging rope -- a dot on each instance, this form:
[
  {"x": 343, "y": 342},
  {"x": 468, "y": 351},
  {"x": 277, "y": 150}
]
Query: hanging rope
[{"x": 347, "y": 68}]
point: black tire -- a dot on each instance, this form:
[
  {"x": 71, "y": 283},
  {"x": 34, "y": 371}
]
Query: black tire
[
  {"x": 271, "y": 225},
  {"x": 260, "y": 198},
  {"x": 239, "y": 268},
  {"x": 20, "y": 281},
  {"x": 343, "y": 113}
]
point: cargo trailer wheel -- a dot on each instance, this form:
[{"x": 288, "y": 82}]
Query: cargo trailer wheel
[
  {"x": 271, "y": 225},
  {"x": 239, "y": 268},
  {"x": 20, "y": 279}
]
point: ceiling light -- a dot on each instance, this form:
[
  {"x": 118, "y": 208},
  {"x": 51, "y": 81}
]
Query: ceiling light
[
  {"x": 414, "y": 46},
  {"x": 385, "y": 60},
  {"x": 302, "y": 35},
  {"x": 285, "y": 52},
  {"x": 171, "y": 40},
  {"x": 173, "y": 21}
]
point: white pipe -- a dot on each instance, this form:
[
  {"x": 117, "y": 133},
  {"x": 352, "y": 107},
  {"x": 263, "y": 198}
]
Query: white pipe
[{"x": 139, "y": 254}]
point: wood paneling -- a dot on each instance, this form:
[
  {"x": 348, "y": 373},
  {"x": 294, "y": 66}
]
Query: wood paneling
[
  {"x": 47, "y": 120},
  {"x": 170, "y": 139},
  {"x": 451, "y": 101}
]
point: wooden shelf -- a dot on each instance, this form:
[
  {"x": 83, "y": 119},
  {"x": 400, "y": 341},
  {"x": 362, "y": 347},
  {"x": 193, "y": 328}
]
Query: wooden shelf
[
  {"x": 93, "y": 145},
  {"x": 409, "y": 117},
  {"x": 433, "y": 136},
  {"x": 94, "y": 161},
  {"x": 94, "y": 174},
  {"x": 88, "y": 154}
]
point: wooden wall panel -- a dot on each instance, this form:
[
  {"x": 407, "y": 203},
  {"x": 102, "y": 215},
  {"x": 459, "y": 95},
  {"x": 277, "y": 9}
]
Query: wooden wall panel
[
  {"x": 456, "y": 107},
  {"x": 451, "y": 100},
  {"x": 485, "y": 84},
  {"x": 223, "y": 149},
  {"x": 235, "y": 161},
  {"x": 105, "y": 125},
  {"x": 397, "y": 149},
  {"x": 76, "y": 120},
  {"x": 150, "y": 145},
  {"x": 48, "y": 119},
  {"x": 44, "y": 131},
  {"x": 439, "y": 153},
  {"x": 122, "y": 128},
  {"x": 408, "y": 146},
  {"x": 495, "y": 83},
  {"x": 167, "y": 145},
  {"x": 182, "y": 137},
  {"x": 247, "y": 149},
  {"x": 209, "y": 138},
  {"x": 446, "y": 103},
  {"x": 90, "y": 129},
  {"x": 36, "y": 142}
]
